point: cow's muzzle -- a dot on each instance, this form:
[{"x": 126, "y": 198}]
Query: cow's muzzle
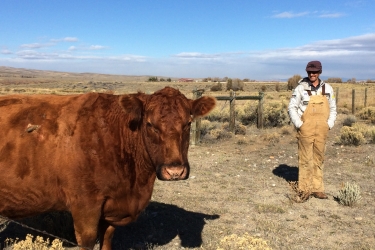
[{"x": 173, "y": 172}]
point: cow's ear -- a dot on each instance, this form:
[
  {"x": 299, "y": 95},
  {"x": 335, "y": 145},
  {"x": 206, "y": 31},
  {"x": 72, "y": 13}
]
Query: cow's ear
[
  {"x": 133, "y": 106},
  {"x": 202, "y": 106}
]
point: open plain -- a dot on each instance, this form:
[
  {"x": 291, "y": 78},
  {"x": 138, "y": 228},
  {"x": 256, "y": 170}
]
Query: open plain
[{"x": 238, "y": 185}]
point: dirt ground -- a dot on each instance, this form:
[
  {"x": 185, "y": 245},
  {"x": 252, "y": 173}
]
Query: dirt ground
[
  {"x": 237, "y": 189},
  {"x": 241, "y": 185}
]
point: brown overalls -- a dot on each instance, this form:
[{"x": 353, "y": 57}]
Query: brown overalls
[{"x": 312, "y": 137}]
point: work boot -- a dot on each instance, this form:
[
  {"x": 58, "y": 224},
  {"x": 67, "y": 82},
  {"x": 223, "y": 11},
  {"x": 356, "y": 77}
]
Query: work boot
[{"x": 320, "y": 195}]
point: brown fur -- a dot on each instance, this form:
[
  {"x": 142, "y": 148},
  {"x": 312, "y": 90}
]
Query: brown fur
[{"x": 95, "y": 155}]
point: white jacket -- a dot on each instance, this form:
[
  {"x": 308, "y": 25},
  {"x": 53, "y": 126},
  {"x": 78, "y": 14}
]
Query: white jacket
[{"x": 300, "y": 99}]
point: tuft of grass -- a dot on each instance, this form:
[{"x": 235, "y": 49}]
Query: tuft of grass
[
  {"x": 269, "y": 208},
  {"x": 241, "y": 141},
  {"x": 243, "y": 242},
  {"x": 349, "y": 195},
  {"x": 272, "y": 138},
  {"x": 287, "y": 130}
]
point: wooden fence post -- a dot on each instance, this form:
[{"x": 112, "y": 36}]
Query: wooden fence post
[
  {"x": 232, "y": 111},
  {"x": 337, "y": 96},
  {"x": 196, "y": 125},
  {"x": 365, "y": 97},
  {"x": 353, "y": 101},
  {"x": 260, "y": 110}
]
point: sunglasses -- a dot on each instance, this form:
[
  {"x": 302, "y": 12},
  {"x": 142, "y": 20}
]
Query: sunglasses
[{"x": 312, "y": 72}]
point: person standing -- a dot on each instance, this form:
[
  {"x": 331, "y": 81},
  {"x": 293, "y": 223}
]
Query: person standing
[{"x": 312, "y": 110}]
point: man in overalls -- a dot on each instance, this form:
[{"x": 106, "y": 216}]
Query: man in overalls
[{"x": 312, "y": 110}]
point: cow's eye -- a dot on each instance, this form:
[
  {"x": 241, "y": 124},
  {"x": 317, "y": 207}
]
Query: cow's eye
[{"x": 152, "y": 127}]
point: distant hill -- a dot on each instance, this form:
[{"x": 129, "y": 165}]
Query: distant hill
[{"x": 9, "y": 72}]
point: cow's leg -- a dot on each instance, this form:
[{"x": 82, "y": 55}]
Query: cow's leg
[
  {"x": 106, "y": 232},
  {"x": 86, "y": 222}
]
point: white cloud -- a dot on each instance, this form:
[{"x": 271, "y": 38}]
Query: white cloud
[
  {"x": 291, "y": 14},
  {"x": 70, "y": 39},
  {"x": 65, "y": 39},
  {"x": 97, "y": 47},
  {"x": 36, "y": 45},
  {"x": 192, "y": 55},
  {"x": 6, "y": 52},
  {"x": 331, "y": 15}
]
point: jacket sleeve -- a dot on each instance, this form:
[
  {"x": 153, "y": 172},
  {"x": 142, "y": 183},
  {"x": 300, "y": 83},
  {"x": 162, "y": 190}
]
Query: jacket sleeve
[
  {"x": 293, "y": 107},
  {"x": 332, "y": 109}
]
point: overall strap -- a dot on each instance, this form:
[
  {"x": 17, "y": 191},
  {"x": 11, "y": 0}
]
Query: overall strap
[{"x": 323, "y": 90}]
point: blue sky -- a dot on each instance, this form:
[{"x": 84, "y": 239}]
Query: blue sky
[{"x": 255, "y": 39}]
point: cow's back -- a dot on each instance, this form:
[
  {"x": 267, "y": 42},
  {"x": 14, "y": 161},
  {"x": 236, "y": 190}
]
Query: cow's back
[{"x": 39, "y": 149}]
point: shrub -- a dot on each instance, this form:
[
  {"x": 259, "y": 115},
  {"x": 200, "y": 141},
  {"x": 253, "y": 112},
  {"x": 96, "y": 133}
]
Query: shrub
[
  {"x": 239, "y": 129},
  {"x": 349, "y": 195},
  {"x": 206, "y": 126},
  {"x": 349, "y": 120},
  {"x": 293, "y": 82},
  {"x": 367, "y": 113},
  {"x": 220, "y": 114},
  {"x": 235, "y": 84},
  {"x": 217, "y": 87},
  {"x": 275, "y": 114},
  {"x": 153, "y": 79},
  {"x": 35, "y": 244},
  {"x": 351, "y": 136},
  {"x": 248, "y": 113},
  {"x": 372, "y": 136},
  {"x": 277, "y": 87},
  {"x": 218, "y": 133},
  {"x": 334, "y": 80}
]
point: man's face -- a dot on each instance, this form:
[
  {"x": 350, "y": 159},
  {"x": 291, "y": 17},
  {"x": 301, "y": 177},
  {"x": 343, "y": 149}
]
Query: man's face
[{"x": 313, "y": 75}]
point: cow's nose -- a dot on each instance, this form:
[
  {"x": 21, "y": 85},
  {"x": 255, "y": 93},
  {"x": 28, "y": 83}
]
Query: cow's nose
[{"x": 175, "y": 172}]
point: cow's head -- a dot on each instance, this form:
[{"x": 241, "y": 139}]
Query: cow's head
[{"x": 164, "y": 119}]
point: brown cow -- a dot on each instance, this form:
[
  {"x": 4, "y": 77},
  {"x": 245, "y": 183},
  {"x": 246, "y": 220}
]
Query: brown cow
[{"x": 95, "y": 155}]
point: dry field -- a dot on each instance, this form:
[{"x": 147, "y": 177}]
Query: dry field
[{"x": 237, "y": 186}]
